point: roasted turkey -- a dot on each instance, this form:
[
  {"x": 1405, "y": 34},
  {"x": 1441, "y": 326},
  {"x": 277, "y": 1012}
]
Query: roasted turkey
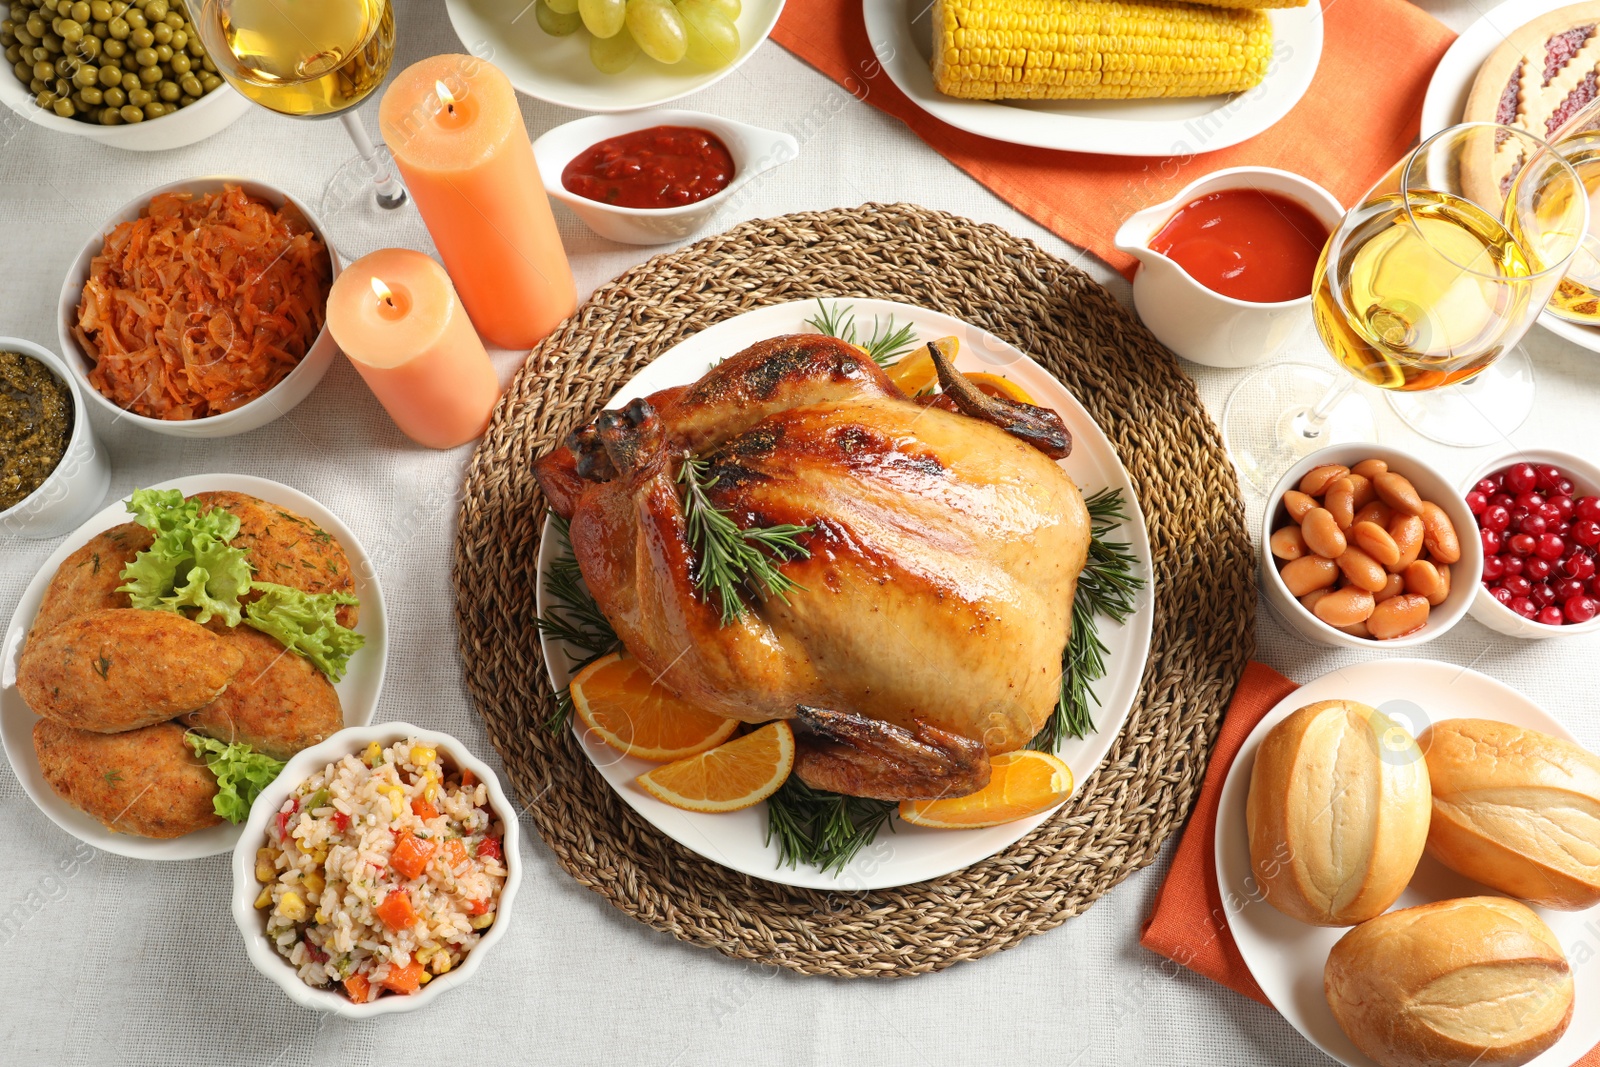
[{"x": 945, "y": 545}]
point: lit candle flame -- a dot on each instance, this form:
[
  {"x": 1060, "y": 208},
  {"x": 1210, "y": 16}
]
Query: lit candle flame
[
  {"x": 445, "y": 96},
  {"x": 383, "y": 291}
]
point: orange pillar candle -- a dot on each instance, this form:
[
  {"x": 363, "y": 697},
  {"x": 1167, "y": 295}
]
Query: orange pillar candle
[
  {"x": 457, "y": 135},
  {"x": 395, "y": 315}
]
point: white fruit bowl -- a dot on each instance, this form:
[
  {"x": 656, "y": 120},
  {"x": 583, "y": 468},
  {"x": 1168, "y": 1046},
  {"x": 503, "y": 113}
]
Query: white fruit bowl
[{"x": 1485, "y": 608}]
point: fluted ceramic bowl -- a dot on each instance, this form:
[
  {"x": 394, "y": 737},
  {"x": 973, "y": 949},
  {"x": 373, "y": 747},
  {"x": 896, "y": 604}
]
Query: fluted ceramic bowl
[{"x": 252, "y": 923}]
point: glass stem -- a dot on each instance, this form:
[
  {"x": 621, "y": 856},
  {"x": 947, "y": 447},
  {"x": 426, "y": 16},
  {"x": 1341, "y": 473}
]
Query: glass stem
[
  {"x": 387, "y": 188},
  {"x": 1316, "y": 416}
]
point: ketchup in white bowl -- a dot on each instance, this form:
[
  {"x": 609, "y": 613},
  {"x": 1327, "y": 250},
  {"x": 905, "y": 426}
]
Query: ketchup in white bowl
[
  {"x": 1248, "y": 244},
  {"x": 659, "y": 167}
]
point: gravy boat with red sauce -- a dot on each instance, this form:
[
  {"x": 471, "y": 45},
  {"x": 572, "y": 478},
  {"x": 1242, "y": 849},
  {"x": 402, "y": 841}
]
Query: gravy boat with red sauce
[
  {"x": 754, "y": 150},
  {"x": 1201, "y": 324}
]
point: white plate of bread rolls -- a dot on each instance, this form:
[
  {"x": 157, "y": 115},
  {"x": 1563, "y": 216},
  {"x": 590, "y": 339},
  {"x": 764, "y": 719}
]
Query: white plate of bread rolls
[{"x": 1409, "y": 857}]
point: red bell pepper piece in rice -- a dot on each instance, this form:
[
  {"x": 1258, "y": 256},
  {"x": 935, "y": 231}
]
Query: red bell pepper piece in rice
[
  {"x": 396, "y": 911},
  {"x": 489, "y": 849},
  {"x": 404, "y": 980},
  {"x": 284, "y": 817},
  {"x": 341, "y": 821},
  {"x": 477, "y": 907},
  {"x": 411, "y": 855}
]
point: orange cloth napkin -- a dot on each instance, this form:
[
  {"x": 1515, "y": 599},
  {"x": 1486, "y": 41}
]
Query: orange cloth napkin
[
  {"x": 1189, "y": 922},
  {"x": 1361, "y": 113}
]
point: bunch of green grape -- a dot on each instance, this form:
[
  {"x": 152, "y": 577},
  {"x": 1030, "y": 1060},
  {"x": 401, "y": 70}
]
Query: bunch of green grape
[{"x": 701, "y": 32}]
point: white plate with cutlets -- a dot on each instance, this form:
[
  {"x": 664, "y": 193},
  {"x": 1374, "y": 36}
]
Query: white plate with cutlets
[
  {"x": 358, "y": 690},
  {"x": 909, "y": 853}
]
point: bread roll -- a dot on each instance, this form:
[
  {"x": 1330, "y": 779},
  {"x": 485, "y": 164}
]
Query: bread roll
[
  {"x": 1517, "y": 810},
  {"x": 1338, "y": 813},
  {"x": 1462, "y": 983}
]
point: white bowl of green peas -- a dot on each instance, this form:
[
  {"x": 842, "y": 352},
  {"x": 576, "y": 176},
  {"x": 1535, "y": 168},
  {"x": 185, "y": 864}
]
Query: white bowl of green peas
[{"x": 121, "y": 72}]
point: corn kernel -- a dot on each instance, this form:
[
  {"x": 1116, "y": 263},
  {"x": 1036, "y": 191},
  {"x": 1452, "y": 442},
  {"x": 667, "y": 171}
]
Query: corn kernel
[
  {"x": 397, "y": 803},
  {"x": 374, "y": 754},
  {"x": 321, "y": 916},
  {"x": 265, "y": 899},
  {"x": 320, "y": 856},
  {"x": 266, "y": 864},
  {"x": 423, "y": 755},
  {"x": 441, "y": 963},
  {"x": 314, "y": 882},
  {"x": 292, "y": 907},
  {"x": 425, "y": 953},
  {"x": 424, "y": 978},
  {"x": 483, "y": 922}
]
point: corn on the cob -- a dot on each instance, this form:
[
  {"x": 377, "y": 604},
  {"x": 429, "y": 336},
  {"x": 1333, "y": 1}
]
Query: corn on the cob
[
  {"x": 1095, "y": 49},
  {"x": 1259, "y": 5}
]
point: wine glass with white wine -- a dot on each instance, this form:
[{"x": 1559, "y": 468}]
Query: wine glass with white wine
[
  {"x": 314, "y": 59},
  {"x": 1425, "y": 286}
]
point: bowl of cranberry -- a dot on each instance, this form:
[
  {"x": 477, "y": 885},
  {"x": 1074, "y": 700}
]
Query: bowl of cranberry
[{"x": 1538, "y": 516}]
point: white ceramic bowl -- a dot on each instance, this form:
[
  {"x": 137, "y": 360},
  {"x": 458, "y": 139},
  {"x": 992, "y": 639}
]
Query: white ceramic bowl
[
  {"x": 557, "y": 69},
  {"x": 211, "y": 114},
  {"x": 754, "y": 152},
  {"x": 252, "y": 923},
  {"x": 278, "y": 400},
  {"x": 1465, "y": 576},
  {"x": 79, "y": 482},
  {"x": 1485, "y": 608}
]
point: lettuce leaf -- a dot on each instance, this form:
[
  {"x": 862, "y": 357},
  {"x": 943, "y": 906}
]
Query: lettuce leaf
[
  {"x": 241, "y": 774},
  {"x": 190, "y": 564},
  {"x": 305, "y": 623}
]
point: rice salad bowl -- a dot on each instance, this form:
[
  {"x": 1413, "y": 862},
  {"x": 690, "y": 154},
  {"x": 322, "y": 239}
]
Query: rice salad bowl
[{"x": 375, "y": 870}]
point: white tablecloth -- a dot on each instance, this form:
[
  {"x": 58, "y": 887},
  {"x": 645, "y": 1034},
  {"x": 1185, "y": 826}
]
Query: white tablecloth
[{"x": 105, "y": 960}]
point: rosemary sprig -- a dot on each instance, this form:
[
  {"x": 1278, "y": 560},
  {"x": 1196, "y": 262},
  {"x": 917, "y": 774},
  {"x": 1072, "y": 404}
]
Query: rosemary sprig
[
  {"x": 887, "y": 344},
  {"x": 820, "y": 829},
  {"x": 577, "y": 622},
  {"x": 1106, "y": 587},
  {"x": 729, "y": 562}
]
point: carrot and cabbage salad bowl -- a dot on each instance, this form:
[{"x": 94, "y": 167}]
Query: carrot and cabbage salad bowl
[{"x": 198, "y": 308}]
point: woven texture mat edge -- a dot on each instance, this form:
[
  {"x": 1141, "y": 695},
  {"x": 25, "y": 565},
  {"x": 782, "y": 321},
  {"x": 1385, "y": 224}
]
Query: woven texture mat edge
[{"x": 1204, "y": 588}]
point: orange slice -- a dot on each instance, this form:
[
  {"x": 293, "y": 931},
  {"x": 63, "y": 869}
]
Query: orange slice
[
  {"x": 616, "y": 698},
  {"x": 995, "y": 385},
  {"x": 745, "y": 771},
  {"x": 1022, "y": 784},
  {"x": 914, "y": 373}
]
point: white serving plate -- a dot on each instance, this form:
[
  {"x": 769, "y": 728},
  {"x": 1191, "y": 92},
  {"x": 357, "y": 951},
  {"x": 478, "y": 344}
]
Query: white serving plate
[
  {"x": 901, "y": 32},
  {"x": 1286, "y": 957},
  {"x": 1452, "y": 83},
  {"x": 911, "y": 854},
  {"x": 358, "y": 691},
  {"x": 557, "y": 69}
]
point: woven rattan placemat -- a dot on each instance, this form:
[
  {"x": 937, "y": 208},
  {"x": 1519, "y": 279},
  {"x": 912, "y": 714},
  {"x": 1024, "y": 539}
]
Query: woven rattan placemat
[{"x": 1204, "y": 584}]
